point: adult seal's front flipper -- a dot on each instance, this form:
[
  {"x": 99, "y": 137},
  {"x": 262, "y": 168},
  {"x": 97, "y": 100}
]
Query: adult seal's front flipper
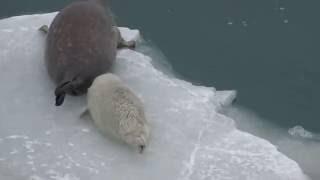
[
  {"x": 121, "y": 42},
  {"x": 44, "y": 29}
]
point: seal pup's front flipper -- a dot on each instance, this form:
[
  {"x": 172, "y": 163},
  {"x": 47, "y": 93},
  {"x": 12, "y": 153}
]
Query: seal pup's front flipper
[
  {"x": 44, "y": 29},
  {"x": 121, "y": 42}
]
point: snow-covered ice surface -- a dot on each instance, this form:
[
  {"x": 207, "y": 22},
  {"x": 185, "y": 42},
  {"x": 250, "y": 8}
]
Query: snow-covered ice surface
[{"x": 189, "y": 138}]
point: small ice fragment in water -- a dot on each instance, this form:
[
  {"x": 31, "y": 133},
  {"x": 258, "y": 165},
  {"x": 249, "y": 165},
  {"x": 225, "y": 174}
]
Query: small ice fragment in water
[
  {"x": 286, "y": 21},
  {"x": 244, "y": 23},
  {"x": 229, "y": 21},
  {"x": 299, "y": 131}
]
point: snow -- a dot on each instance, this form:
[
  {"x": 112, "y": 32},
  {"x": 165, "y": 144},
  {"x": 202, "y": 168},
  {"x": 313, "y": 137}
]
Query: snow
[{"x": 190, "y": 139}]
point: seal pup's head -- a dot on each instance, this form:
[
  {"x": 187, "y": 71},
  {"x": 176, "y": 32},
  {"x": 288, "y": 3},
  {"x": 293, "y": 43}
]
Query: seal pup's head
[{"x": 139, "y": 136}]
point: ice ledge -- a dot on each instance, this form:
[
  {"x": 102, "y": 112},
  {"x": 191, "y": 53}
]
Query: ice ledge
[{"x": 190, "y": 139}]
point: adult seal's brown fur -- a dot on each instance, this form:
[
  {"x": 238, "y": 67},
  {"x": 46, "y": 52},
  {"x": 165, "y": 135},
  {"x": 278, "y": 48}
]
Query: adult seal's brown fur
[{"x": 81, "y": 44}]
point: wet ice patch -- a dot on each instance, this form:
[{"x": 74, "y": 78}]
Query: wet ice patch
[{"x": 297, "y": 143}]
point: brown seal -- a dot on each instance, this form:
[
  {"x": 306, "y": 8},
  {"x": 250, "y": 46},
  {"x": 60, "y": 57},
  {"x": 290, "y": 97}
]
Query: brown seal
[{"x": 81, "y": 44}]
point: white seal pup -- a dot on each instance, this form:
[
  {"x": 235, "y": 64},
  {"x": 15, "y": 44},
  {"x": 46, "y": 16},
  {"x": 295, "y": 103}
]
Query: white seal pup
[{"x": 117, "y": 111}]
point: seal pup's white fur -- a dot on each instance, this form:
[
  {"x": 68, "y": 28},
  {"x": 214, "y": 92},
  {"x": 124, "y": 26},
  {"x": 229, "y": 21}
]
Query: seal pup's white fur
[{"x": 117, "y": 111}]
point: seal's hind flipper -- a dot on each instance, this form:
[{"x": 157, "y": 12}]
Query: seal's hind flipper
[
  {"x": 60, "y": 99},
  {"x": 121, "y": 42},
  {"x": 61, "y": 92},
  {"x": 44, "y": 29}
]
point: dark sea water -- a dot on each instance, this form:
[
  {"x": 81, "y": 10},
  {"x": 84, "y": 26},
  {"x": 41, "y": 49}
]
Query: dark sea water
[{"x": 267, "y": 50}]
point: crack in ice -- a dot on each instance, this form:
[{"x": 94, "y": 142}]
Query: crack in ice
[{"x": 189, "y": 165}]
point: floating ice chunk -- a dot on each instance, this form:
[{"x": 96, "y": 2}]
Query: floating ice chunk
[
  {"x": 189, "y": 138},
  {"x": 299, "y": 131},
  {"x": 244, "y": 23}
]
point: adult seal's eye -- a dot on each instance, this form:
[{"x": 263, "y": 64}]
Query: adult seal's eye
[{"x": 71, "y": 39}]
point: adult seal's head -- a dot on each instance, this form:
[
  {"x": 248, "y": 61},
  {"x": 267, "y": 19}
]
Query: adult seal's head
[{"x": 81, "y": 44}]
